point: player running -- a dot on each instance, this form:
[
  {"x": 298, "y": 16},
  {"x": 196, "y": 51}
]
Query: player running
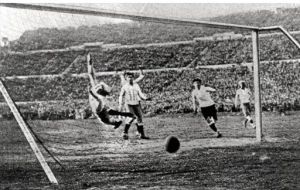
[
  {"x": 132, "y": 99},
  {"x": 98, "y": 102},
  {"x": 243, "y": 95},
  {"x": 201, "y": 94}
]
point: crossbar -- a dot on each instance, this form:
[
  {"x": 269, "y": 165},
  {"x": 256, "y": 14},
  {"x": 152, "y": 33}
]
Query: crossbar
[
  {"x": 178, "y": 21},
  {"x": 284, "y": 31},
  {"x": 124, "y": 15}
]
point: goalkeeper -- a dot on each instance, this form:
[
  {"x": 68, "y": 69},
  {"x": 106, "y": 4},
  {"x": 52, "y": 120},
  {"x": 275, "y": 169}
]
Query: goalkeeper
[{"x": 98, "y": 102}]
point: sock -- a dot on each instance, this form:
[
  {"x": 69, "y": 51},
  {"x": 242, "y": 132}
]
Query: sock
[
  {"x": 126, "y": 128},
  {"x": 210, "y": 121},
  {"x": 213, "y": 127},
  {"x": 248, "y": 118},
  {"x": 140, "y": 129}
]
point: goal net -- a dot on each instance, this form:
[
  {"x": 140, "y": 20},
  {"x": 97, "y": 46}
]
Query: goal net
[{"x": 44, "y": 70}]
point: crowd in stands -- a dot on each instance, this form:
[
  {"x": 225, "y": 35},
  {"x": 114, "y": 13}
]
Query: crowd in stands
[
  {"x": 36, "y": 64},
  {"x": 170, "y": 90},
  {"x": 281, "y": 85},
  {"x": 207, "y": 52}
]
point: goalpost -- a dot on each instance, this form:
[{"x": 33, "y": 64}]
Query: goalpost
[
  {"x": 140, "y": 17},
  {"x": 27, "y": 134}
]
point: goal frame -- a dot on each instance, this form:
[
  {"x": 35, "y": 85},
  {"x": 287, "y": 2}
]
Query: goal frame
[
  {"x": 23, "y": 125},
  {"x": 63, "y": 8}
]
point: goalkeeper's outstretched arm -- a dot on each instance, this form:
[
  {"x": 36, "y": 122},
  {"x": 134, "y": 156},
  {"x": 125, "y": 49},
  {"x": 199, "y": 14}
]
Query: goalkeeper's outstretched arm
[{"x": 91, "y": 71}]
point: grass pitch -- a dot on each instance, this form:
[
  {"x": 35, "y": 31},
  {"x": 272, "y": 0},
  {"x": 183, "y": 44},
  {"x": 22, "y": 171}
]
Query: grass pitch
[{"x": 96, "y": 157}]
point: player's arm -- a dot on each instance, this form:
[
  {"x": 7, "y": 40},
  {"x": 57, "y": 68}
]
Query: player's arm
[
  {"x": 141, "y": 94},
  {"x": 236, "y": 99},
  {"x": 94, "y": 93},
  {"x": 122, "y": 78},
  {"x": 209, "y": 89},
  {"x": 91, "y": 71},
  {"x": 194, "y": 102},
  {"x": 141, "y": 76},
  {"x": 122, "y": 93}
]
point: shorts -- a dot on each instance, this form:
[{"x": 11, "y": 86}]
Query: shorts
[
  {"x": 137, "y": 111},
  {"x": 209, "y": 111},
  {"x": 103, "y": 115},
  {"x": 246, "y": 109}
]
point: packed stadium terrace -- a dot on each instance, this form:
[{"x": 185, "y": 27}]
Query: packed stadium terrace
[
  {"x": 205, "y": 52},
  {"x": 36, "y": 63},
  {"x": 170, "y": 89}
]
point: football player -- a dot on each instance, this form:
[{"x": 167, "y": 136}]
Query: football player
[
  {"x": 243, "y": 95},
  {"x": 132, "y": 98},
  {"x": 201, "y": 94},
  {"x": 98, "y": 101}
]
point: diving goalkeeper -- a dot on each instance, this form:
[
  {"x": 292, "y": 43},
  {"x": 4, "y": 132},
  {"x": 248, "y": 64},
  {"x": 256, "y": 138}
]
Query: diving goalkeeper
[{"x": 98, "y": 101}]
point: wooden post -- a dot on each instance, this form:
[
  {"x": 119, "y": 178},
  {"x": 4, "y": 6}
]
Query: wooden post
[
  {"x": 27, "y": 134},
  {"x": 258, "y": 111}
]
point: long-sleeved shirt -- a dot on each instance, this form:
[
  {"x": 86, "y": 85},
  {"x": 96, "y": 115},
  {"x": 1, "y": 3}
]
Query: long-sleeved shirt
[
  {"x": 203, "y": 97},
  {"x": 133, "y": 94},
  {"x": 123, "y": 81}
]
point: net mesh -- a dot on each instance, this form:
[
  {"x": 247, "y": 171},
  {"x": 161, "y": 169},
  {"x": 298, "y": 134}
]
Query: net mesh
[
  {"x": 18, "y": 163},
  {"x": 44, "y": 66}
]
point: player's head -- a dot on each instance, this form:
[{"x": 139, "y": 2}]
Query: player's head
[
  {"x": 197, "y": 83},
  {"x": 128, "y": 77},
  {"x": 242, "y": 84},
  {"x": 103, "y": 89}
]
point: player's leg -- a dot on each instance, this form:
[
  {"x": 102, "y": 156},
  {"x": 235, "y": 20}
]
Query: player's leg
[
  {"x": 210, "y": 115},
  {"x": 214, "y": 117},
  {"x": 125, "y": 114},
  {"x": 244, "y": 111},
  {"x": 105, "y": 118},
  {"x": 128, "y": 122},
  {"x": 248, "y": 113},
  {"x": 140, "y": 126}
]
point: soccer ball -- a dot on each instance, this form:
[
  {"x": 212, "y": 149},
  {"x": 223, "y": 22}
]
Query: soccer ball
[{"x": 172, "y": 144}]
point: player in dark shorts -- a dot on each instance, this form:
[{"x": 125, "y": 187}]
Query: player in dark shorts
[
  {"x": 132, "y": 96},
  {"x": 201, "y": 94}
]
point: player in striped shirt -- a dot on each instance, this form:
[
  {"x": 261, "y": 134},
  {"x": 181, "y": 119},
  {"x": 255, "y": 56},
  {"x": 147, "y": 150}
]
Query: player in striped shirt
[
  {"x": 124, "y": 81},
  {"x": 132, "y": 95},
  {"x": 98, "y": 102},
  {"x": 243, "y": 96},
  {"x": 201, "y": 94}
]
